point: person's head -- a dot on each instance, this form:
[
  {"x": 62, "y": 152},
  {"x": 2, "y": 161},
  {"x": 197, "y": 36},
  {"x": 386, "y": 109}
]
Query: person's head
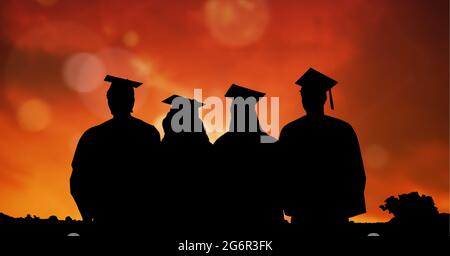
[
  {"x": 243, "y": 112},
  {"x": 121, "y": 95},
  {"x": 120, "y": 100},
  {"x": 186, "y": 111},
  {"x": 315, "y": 86},
  {"x": 313, "y": 101}
]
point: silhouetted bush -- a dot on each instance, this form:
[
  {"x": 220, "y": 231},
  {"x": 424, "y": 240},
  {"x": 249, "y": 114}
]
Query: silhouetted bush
[
  {"x": 53, "y": 219},
  {"x": 411, "y": 208}
]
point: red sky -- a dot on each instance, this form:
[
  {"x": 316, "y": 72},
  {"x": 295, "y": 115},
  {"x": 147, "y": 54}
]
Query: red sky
[{"x": 391, "y": 59}]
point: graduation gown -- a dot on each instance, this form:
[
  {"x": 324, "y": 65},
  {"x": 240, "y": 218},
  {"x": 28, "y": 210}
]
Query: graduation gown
[
  {"x": 324, "y": 168},
  {"x": 185, "y": 156},
  {"x": 248, "y": 183},
  {"x": 111, "y": 168}
]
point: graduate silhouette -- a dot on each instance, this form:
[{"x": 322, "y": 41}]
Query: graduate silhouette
[
  {"x": 322, "y": 159},
  {"x": 185, "y": 151},
  {"x": 247, "y": 192},
  {"x": 112, "y": 161}
]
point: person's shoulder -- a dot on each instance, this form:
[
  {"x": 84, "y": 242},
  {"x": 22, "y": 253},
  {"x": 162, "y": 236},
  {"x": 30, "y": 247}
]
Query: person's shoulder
[
  {"x": 338, "y": 123},
  {"x": 294, "y": 124},
  {"x": 94, "y": 132},
  {"x": 144, "y": 125},
  {"x": 97, "y": 129}
]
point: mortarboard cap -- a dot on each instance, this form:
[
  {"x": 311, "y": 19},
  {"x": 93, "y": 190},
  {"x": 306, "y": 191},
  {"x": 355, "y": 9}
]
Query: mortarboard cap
[
  {"x": 192, "y": 101},
  {"x": 121, "y": 81},
  {"x": 313, "y": 79},
  {"x": 239, "y": 91},
  {"x": 170, "y": 99}
]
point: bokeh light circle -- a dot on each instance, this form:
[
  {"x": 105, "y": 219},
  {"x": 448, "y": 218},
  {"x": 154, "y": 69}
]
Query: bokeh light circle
[
  {"x": 122, "y": 63},
  {"x": 130, "y": 39},
  {"x": 83, "y": 72},
  {"x": 376, "y": 156},
  {"x": 34, "y": 115},
  {"x": 236, "y": 23}
]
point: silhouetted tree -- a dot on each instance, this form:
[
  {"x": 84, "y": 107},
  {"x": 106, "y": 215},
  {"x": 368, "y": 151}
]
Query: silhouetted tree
[
  {"x": 411, "y": 208},
  {"x": 53, "y": 219}
]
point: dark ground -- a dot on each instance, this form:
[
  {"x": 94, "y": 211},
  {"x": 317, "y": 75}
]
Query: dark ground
[{"x": 32, "y": 226}]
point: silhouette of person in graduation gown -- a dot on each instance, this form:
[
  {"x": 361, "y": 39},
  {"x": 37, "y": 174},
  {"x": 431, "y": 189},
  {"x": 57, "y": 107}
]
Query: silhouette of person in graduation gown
[
  {"x": 247, "y": 191},
  {"x": 244, "y": 124},
  {"x": 186, "y": 149},
  {"x": 112, "y": 159},
  {"x": 326, "y": 177}
]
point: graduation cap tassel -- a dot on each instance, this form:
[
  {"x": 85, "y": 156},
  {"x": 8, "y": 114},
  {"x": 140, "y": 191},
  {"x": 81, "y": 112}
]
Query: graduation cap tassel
[{"x": 331, "y": 100}]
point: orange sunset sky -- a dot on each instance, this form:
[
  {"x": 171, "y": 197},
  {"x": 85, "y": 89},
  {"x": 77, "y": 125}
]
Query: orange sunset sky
[{"x": 391, "y": 59}]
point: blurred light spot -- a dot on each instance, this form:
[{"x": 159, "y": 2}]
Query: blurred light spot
[
  {"x": 108, "y": 30},
  {"x": 236, "y": 23},
  {"x": 83, "y": 72},
  {"x": 142, "y": 68},
  {"x": 130, "y": 39},
  {"x": 34, "y": 115},
  {"x": 376, "y": 156},
  {"x": 47, "y": 2},
  {"x": 122, "y": 63},
  {"x": 161, "y": 82},
  {"x": 247, "y": 4}
]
